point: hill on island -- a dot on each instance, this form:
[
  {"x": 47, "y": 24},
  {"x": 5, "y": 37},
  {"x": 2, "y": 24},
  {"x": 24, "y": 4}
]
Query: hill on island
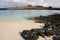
[{"x": 30, "y": 7}]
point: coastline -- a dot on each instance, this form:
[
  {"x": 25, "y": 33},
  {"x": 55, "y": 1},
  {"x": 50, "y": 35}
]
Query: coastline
[{"x": 9, "y": 29}]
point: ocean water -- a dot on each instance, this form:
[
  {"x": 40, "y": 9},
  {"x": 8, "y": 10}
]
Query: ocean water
[{"x": 23, "y": 14}]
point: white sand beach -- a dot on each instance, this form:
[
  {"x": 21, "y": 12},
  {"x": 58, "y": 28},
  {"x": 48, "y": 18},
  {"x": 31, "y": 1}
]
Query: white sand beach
[{"x": 9, "y": 29}]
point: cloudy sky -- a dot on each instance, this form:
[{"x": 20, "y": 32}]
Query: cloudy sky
[{"x": 9, "y": 3}]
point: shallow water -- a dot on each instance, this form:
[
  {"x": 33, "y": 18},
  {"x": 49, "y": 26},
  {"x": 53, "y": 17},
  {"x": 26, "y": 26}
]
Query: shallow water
[{"x": 23, "y": 14}]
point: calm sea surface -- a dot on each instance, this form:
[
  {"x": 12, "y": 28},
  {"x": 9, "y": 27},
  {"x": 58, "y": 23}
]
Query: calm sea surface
[{"x": 23, "y": 14}]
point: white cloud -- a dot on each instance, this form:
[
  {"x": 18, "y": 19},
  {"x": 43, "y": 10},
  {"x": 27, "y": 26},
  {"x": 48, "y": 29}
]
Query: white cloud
[
  {"x": 15, "y": 0},
  {"x": 35, "y": 2},
  {"x": 40, "y": 2}
]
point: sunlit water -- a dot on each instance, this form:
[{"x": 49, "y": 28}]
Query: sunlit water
[{"x": 23, "y": 14}]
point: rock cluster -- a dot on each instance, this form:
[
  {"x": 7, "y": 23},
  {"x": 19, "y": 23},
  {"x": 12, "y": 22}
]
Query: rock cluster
[
  {"x": 47, "y": 30},
  {"x": 30, "y": 35},
  {"x": 56, "y": 37}
]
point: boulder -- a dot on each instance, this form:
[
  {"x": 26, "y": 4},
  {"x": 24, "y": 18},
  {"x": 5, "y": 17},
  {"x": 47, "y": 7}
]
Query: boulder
[
  {"x": 39, "y": 32},
  {"x": 29, "y": 35},
  {"x": 56, "y": 37},
  {"x": 25, "y": 33}
]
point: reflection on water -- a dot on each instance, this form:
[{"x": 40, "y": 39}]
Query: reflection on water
[{"x": 21, "y": 14}]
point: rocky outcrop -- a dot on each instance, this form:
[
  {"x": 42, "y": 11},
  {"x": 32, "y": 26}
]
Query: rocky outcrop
[
  {"x": 34, "y": 34},
  {"x": 52, "y": 27}
]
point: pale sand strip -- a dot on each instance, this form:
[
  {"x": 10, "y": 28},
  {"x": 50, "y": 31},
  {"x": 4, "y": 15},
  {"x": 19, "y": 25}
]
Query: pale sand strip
[{"x": 9, "y": 29}]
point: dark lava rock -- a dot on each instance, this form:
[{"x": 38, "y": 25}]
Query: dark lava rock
[
  {"x": 52, "y": 32},
  {"x": 56, "y": 37},
  {"x": 25, "y": 34},
  {"x": 34, "y": 35},
  {"x": 39, "y": 32},
  {"x": 29, "y": 35}
]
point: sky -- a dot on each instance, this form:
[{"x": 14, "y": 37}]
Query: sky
[{"x": 46, "y": 3}]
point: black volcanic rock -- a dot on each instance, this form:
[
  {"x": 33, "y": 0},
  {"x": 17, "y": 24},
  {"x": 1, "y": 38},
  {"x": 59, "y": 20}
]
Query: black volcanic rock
[
  {"x": 25, "y": 34},
  {"x": 56, "y": 38},
  {"x": 39, "y": 32},
  {"x": 52, "y": 27},
  {"x": 29, "y": 35},
  {"x": 50, "y": 18}
]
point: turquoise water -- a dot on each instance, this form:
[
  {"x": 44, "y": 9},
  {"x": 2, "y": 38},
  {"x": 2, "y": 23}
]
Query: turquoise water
[{"x": 22, "y": 14}]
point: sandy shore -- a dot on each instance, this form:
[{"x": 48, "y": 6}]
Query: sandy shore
[{"x": 9, "y": 29}]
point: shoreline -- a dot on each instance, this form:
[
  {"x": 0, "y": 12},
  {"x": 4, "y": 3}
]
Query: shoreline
[{"x": 9, "y": 29}]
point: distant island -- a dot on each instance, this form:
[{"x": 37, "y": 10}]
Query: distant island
[{"x": 30, "y": 7}]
